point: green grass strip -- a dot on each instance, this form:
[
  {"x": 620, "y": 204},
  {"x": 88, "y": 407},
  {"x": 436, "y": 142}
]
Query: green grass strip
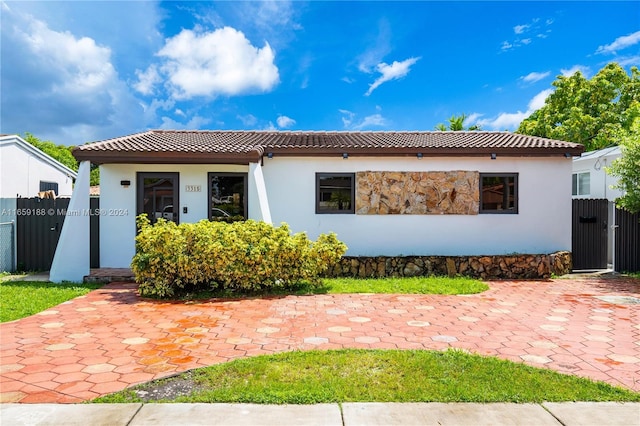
[
  {"x": 375, "y": 376},
  {"x": 19, "y": 299}
]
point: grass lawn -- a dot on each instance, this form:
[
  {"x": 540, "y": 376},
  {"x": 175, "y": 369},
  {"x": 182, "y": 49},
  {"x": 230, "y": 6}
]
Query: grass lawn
[
  {"x": 19, "y": 299},
  {"x": 371, "y": 376},
  {"x": 400, "y": 285}
]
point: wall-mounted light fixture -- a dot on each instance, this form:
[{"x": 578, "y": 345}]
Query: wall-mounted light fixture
[
  {"x": 567, "y": 155},
  {"x": 125, "y": 183},
  {"x": 494, "y": 156},
  {"x": 345, "y": 155},
  {"x": 270, "y": 155},
  {"x": 419, "y": 155}
]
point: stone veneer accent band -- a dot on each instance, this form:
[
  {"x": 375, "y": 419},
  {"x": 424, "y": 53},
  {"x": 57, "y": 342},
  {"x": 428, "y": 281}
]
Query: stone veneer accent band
[
  {"x": 516, "y": 266},
  {"x": 451, "y": 192}
]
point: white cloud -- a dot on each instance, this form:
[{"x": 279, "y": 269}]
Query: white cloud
[
  {"x": 247, "y": 120},
  {"x": 222, "y": 62},
  {"x": 284, "y": 122},
  {"x": 196, "y": 122},
  {"x": 623, "y": 61},
  {"x": 585, "y": 71},
  {"x": 375, "y": 120},
  {"x": 620, "y": 43},
  {"x": 347, "y": 117},
  {"x": 535, "y": 76},
  {"x": 525, "y": 41},
  {"x": 537, "y": 101},
  {"x": 506, "y": 45},
  {"x": 519, "y": 29},
  {"x": 147, "y": 80},
  {"x": 61, "y": 87},
  {"x": 394, "y": 71},
  {"x": 381, "y": 46},
  {"x": 511, "y": 120}
]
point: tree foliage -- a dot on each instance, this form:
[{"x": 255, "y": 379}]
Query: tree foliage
[
  {"x": 592, "y": 112},
  {"x": 456, "y": 123},
  {"x": 627, "y": 169},
  {"x": 63, "y": 154}
]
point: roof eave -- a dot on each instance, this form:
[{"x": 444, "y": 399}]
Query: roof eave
[{"x": 110, "y": 157}]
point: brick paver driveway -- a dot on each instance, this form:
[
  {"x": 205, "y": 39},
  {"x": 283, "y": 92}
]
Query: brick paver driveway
[{"x": 111, "y": 338}]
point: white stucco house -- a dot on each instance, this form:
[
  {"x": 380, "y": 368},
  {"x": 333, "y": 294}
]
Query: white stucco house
[
  {"x": 383, "y": 193},
  {"x": 589, "y": 178},
  {"x": 25, "y": 170}
]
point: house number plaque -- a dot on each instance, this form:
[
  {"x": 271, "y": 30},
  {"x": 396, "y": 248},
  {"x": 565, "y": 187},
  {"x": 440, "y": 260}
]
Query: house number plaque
[{"x": 193, "y": 188}]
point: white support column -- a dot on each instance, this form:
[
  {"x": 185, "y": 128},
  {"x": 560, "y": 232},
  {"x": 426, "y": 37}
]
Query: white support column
[
  {"x": 71, "y": 261},
  {"x": 257, "y": 182}
]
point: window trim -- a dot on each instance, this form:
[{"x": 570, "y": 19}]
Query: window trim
[
  {"x": 141, "y": 176},
  {"x": 245, "y": 179},
  {"x": 53, "y": 186},
  {"x": 578, "y": 186},
  {"x": 352, "y": 208},
  {"x": 516, "y": 194}
]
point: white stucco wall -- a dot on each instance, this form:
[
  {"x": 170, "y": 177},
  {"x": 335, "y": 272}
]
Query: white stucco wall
[
  {"x": 601, "y": 182},
  {"x": 21, "y": 171},
  {"x": 543, "y": 224},
  {"x": 118, "y": 203}
]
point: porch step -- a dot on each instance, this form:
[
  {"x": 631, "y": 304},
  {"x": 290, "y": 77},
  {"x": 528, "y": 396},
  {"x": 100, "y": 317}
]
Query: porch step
[{"x": 109, "y": 275}]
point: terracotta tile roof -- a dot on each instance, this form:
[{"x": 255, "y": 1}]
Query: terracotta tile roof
[{"x": 241, "y": 147}]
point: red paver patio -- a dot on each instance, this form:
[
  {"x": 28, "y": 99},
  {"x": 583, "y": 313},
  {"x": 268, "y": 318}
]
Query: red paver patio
[{"x": 111, "y": 338}]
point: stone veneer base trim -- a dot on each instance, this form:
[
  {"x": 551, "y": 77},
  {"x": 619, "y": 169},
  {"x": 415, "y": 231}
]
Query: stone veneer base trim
[{"x": 513, "y": 266}]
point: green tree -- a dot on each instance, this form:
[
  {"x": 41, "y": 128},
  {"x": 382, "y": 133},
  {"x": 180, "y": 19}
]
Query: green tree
[
  {"x": 627, "y": 169},
  {"x": 456, "y": 123},
  {"x": 591, "y": 112},
  {"x": 63, "y": 154}
]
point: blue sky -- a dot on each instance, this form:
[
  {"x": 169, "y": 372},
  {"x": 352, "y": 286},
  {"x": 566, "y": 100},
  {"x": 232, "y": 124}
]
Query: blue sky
[{"x": 80, "y": 71}]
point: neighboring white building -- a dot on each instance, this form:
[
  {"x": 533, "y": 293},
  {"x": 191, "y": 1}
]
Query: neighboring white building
[
  {"x": 589, "y": 177},
  {"x": 25, "y": 170},
  {"x": 383, "y": 193}
]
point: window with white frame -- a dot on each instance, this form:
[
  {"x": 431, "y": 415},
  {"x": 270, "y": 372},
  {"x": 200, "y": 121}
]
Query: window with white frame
[{"x": 581, "y": 183}]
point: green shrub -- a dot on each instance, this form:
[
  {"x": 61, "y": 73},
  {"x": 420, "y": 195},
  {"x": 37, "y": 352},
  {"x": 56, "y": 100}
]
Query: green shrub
[{"x": 245, "y": 255}]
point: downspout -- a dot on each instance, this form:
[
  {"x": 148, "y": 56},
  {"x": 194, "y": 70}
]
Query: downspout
[{"x": 71, "y": 261}]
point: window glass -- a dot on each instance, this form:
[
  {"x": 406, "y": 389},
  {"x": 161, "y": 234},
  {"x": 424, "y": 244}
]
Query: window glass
[
  {"x": 227, "y": 194},
  {"x": 584, "y": 183},
  {"x": 574, "y": 184},
  {"x": 158, "y": 196},
  {"x": 49, "y": 186},
  {"x": 498, "y": 193},
  {"x": 335, "y": 192}
]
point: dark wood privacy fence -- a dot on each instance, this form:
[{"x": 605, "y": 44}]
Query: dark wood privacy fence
[
  {"x": 589, "y": 233},
  {"x": 38, "y": 225},
  {"x": 627, "y": 242}
]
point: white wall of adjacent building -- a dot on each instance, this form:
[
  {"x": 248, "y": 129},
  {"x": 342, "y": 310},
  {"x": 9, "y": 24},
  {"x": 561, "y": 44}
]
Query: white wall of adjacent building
[
  {"x": 23, "y": 167},
  {"x": 590, "y": 176},
  {"x": 542, "y": 225}
]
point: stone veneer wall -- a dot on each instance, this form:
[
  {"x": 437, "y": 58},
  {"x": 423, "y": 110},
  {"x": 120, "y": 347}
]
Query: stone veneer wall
[
  {"x": 453, "y": 192},
  {"x": 516, "y": 266}
]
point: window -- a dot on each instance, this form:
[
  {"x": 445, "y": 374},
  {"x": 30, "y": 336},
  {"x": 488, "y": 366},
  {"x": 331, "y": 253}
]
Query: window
[
  {"x": 49, "y": 186},
  {"x": 157, "y": 195},
  {"x": 335, "y": 193},
  {"x": 581, "y": 184},
  {"x": 499, "y": 193},
  {"x": 227, "y": 195}
]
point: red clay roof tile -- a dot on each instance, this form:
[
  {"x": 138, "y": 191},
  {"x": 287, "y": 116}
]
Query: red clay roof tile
[{"x": 241, "y": 147}]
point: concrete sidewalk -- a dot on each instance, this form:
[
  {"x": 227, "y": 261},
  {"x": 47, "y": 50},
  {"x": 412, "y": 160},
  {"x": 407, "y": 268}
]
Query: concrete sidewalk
[{"x": 347, "y": 414}]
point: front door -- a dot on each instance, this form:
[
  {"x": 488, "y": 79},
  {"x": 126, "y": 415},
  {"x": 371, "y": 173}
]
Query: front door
[
  {"x": 227, "y": 195},
  {"x": 158, "y": 196}
]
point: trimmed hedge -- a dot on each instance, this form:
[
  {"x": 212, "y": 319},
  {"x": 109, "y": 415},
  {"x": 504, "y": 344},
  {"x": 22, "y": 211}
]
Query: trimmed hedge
[{"x": 245, "y": 255}]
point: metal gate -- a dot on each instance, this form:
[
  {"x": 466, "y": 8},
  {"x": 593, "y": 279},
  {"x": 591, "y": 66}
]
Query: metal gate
[
  {"x": 589, "y": 233},
  {"x": 38, "y": 225},
  {"x": 627, "y": 244}
]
